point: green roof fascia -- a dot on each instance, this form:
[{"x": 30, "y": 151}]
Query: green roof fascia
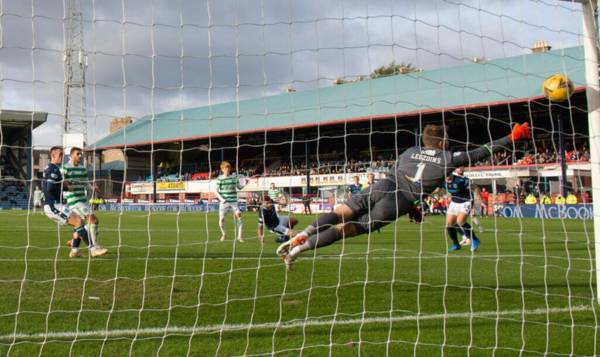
[{"x": 471, "y": 84}]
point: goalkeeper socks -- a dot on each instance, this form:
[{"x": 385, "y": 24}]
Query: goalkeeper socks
[
  {"x": 82, "y": 233},
  {"x": 322, "y": 223},
  {"x": 452, "y": 234},
  {"x": 324, "y": 238}
]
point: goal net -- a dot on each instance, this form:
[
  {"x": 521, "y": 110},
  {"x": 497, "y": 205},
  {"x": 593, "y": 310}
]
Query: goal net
[{"x": 190, "y": 114}]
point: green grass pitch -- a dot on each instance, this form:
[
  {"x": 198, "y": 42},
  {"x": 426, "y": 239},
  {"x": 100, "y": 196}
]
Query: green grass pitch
[{"x": 169, "y": 287}]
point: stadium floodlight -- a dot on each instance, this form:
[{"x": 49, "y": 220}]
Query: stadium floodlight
[
  {"x": 76, "y": 62},
  {"x": 590, "y": 43}
]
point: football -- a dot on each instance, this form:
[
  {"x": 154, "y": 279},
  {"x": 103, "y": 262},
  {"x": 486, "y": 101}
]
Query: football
[
  {"x": 465, "y": 242},
  {"x": 558, "y": 87}
]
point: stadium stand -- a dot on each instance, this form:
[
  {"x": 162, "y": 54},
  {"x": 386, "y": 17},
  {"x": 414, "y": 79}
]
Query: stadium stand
[{"x": 16, "y": 156}]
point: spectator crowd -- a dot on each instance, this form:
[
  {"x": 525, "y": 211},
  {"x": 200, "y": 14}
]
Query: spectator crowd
[
  {"x": 543, "y": 155},
  {"x": 358, "y": 163}
]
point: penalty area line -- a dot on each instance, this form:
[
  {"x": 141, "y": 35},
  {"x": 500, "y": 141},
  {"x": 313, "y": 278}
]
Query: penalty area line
[{"x": 153, "y": 331}]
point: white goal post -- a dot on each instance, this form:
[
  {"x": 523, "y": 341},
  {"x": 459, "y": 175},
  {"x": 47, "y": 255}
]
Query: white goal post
[{"x": 590, "y": 44}]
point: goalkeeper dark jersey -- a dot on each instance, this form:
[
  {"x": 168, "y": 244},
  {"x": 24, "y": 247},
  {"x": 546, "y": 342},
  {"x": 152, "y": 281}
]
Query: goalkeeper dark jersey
[{"x": 419, "y": 171}]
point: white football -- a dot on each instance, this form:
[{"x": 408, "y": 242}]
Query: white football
[{"x": 465, "y": 241}]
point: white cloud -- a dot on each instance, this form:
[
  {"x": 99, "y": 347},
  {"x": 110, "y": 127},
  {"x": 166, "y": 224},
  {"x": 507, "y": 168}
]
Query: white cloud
[{"x": 135, "y": 66}]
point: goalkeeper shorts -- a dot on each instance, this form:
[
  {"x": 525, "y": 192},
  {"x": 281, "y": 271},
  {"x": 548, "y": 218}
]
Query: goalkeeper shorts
[{"x": 377, "y": 206}]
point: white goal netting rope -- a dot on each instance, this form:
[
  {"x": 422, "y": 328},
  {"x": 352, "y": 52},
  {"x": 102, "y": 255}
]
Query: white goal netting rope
[{"x": 336, "y": 89}]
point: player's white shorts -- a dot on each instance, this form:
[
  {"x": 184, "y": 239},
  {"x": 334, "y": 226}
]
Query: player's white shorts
[
  {"x": 37, "y": 203},
  {"x": 61, "y": 217},
  {"x": 459, "y": 208},
  {"x": 283, "y": 225},
  {"x": 82, "y": 209},
  {"x": 225, "y": 207}
]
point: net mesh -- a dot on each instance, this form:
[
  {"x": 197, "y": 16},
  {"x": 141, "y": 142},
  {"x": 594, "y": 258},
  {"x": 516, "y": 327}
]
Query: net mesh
[{"x": 300, "y": 98}]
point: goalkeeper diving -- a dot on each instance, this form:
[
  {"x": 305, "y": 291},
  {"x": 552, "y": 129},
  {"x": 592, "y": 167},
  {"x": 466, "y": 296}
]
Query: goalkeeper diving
[{"x": 418, "y": 171}]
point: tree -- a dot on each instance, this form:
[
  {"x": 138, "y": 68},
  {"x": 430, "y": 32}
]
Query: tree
[{"x": 393, "y": 69}]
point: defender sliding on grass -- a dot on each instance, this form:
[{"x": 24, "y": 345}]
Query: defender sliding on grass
[
  {"x": 418, "y": 172},
  {"x": 267, "y": 216}
]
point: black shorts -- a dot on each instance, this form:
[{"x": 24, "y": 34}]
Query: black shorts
[{"x": 377, "y": 206}]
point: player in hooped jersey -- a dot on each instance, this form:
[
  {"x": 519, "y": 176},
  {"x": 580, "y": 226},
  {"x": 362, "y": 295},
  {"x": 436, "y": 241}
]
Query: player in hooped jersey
[
  {"x": 228, "y": 185},
  {"x": 75, "y": 191},
  {"x": 459, "y": 210},
  {"x": 52, "y": 186},
  {"x": 417, "y": 173}
]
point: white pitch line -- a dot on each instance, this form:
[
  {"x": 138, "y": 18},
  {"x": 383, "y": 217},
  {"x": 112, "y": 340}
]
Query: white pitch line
[
  {"x": 346, "y": 257},
  {"x": 282, "y": 325},
  {"x": 321, "y": 257}
]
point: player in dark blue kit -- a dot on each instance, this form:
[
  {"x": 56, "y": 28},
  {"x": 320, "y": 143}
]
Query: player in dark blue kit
[
  {"x": 355, "y": 187},
  {"x": 459, "y": 210},
  {"x": 267, "y": 216},
  {"x": 417, "y": 173},
  {"x": 52, "y": 186}
]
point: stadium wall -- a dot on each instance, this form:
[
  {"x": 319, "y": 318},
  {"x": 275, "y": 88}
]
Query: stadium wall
[
  {"x": 580, "y": 211},
  {"x": 254, "y": 184},
  {"x": 317, "y": 206}
]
